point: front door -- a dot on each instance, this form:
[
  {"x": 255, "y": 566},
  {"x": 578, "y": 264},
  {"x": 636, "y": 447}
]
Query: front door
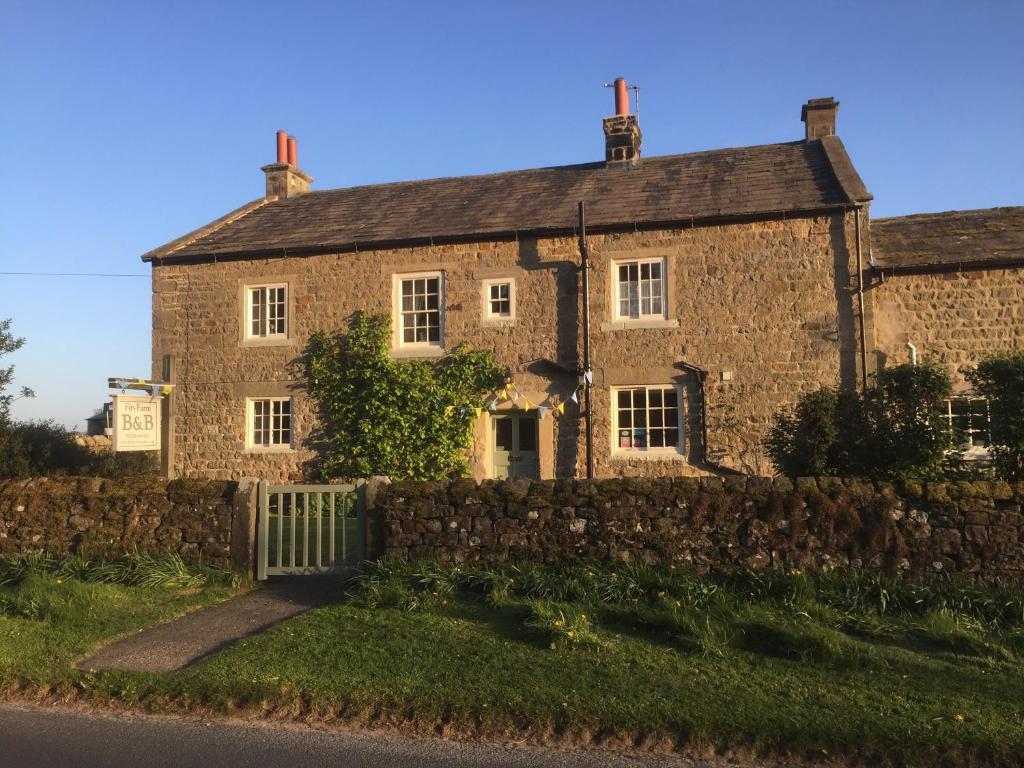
[{"x": 515, "y": 446}]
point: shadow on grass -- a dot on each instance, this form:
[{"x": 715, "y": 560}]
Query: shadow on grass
[
  {"x": 658, "y": 628},
  {"x": 506, "y": 621}
]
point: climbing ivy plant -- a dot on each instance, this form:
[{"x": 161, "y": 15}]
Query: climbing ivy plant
[{"x": 404, "y": 419}]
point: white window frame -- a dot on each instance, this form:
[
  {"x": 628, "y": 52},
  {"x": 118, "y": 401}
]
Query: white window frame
[
  {"x": 250, "y": 424},
  {"x": 250, "y": 306},
  {"x": 641, "y": 316},
  {"x": 969, "y": 450},
  {"x": 398, "y": 312},
  {"x": 663, "y": 451},
  {"x": 490, "y": 283}
]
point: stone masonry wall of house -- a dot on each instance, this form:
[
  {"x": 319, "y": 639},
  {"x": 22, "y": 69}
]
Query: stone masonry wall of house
[
  {"x": 710, "y": 524},
  {"x": 106, "y": 518},
  {"x": 764, "y": 307},
  {"x": 952, "y": 317}
]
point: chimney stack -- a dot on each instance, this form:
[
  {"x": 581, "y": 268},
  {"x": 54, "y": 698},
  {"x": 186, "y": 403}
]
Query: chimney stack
[
  {"x": 622, "y": 137},
  {"x": 819, "y": 116},
  {"x": 284, "y": 179}
]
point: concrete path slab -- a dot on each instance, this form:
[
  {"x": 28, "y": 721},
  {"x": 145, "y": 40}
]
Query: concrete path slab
[{"x": 182, "y": 642}]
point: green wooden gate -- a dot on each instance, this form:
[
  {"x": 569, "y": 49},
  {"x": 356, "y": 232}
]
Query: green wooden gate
[{"x": 307, "y": 529}]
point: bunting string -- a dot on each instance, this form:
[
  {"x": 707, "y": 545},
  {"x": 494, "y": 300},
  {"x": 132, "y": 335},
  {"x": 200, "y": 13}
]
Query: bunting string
[{"x": 509, "y": 392}]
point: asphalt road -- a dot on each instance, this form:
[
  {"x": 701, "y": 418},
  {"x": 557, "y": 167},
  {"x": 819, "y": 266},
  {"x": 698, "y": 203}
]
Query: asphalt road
[{"x": 53, "y": 737}]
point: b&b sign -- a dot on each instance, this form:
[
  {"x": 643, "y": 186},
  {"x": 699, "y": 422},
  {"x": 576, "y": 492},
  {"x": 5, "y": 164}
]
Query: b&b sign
[{"x": 136, "y": 423}]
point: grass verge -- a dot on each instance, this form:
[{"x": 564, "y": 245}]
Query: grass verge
[
  {"x": 852, "y": 666},
  {"x": 55, "y": 611}
]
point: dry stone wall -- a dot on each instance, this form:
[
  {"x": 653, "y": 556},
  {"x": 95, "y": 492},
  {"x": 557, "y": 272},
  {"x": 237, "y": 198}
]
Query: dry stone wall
[
  {"x": 106, "y": 518},
  {"x": 711, "y": 524}
]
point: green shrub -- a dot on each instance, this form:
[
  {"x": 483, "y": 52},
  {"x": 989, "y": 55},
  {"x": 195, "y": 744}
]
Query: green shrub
[
  {"x": 403, "y": 419},
  {"x": 896, "y": 429},
  {"x": 34, "y": 448},
  {"x": 907, "y": 432},
  {"x": 39, "y": 448},
  {"x": 1000, "y": 379},
  {"x": 803, "y": 439}
]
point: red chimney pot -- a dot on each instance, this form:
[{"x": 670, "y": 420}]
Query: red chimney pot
[
  {"x": 621, "y": 97},
  {"x": 282, "y": 147},
  {"x": 293, "y": 152}
]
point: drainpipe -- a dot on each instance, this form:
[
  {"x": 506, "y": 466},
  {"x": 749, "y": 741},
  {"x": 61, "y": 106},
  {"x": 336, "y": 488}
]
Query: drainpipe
[
  {"x": 588, "y": 371},
  {"x": 860, "y": 301},
  {"x": 700, "y": 375}
]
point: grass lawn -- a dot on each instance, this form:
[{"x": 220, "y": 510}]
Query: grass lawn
[
  {"x": 860, "y": 664},
  {"x": 52, "y": 613},
  {"x": 839, "y": 664}
]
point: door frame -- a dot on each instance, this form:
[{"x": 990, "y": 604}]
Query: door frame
[{"x": 516, "y": 417}]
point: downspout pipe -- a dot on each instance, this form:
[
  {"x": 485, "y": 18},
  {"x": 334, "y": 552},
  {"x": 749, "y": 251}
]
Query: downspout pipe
[
  {"x": 913, "y": 353},
  {"x": 588, "y": 371},
  {"x": 860, "y": 299}
]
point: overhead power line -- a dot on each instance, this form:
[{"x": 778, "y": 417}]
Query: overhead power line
[{"x": 74, "y": 274}]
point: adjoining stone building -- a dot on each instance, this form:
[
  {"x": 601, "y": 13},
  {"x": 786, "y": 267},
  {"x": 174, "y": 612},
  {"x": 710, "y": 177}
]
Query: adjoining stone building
[
  {"x": 723, "y": 284},
  {"x": 950, "y": 286}
]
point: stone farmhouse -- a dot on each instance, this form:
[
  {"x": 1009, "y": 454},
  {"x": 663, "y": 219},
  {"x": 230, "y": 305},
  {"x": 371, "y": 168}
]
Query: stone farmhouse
[{"x": 723, "y": 284}]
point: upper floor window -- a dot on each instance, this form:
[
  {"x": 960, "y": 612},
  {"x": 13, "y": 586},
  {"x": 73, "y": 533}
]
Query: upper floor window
[
  {"x": 420, "y": 319},
  {"x": 640, "y": 289},
  {"x": 500, "y": 299},
  {"x": 267, "y": 311},
  {"x": 969, "y": 417},
  {"x": 270, "y": 422},
  {"x": 647, "y": 419}
]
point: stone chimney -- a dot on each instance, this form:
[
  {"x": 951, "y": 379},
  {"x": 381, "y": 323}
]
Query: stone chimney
[
  {"x": 284, "y": 179},
  {"x": 622, "y": 135},
  {"x": 819, "y": 116}
]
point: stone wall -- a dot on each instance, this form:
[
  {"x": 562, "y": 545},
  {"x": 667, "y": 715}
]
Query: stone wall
[
  {"x": 762, "y": 306},
  {"x": 954, "y": 317},
  {"x": 107, "y": 518},
  {"x": 711, "y": 524}
]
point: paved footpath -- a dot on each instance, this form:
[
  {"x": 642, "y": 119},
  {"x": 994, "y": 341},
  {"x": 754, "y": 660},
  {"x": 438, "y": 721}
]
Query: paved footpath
[
  {"x": 31, "y": 737},
  {"x": 199, "y": 634}
]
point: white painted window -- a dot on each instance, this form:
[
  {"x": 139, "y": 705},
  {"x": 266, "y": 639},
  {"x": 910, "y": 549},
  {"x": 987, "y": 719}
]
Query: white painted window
[
  {"x": 640, "y": 289},
  {"x": 419, "y": 308},
  {"x": 971, "y": 422},
  {"x": 500, "y": 299},
  {"x": 266, "y": 311},
  {"x": 270, "y": 422},
  {"x": 647, "y": 419}
]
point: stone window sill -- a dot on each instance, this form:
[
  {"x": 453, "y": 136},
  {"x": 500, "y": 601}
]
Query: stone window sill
[
  {"x": 628, "y": 325},
  {"x": 414, "y": 352},
  {"x": 286, "y": 342},
  {"x": 276, "y": 451},
  {"x": 624, "y": 456},
  {"x": 498, "y": 322}
]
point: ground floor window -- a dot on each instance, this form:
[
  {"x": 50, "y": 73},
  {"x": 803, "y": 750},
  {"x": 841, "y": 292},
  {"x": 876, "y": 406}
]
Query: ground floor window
[
  {"x": 270, "y": 422},
  {"x": 647, "y": 419},
  {"x": 969, "y": 417}
]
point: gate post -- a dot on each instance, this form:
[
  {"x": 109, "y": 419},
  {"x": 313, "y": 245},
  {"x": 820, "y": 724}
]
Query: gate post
[
  {"x": 244, "y": 514},
  {"x": 262, "y": 532},
  {"x": 373, "y": 524}
]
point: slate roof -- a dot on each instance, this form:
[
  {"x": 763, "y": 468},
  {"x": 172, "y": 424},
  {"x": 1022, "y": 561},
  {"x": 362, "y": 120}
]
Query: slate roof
[
  {"x": 954, "y": 238},
  {"x": 761, "y": 180}
]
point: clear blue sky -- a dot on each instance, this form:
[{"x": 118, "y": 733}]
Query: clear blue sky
[{"x": 127, "y": 124}]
